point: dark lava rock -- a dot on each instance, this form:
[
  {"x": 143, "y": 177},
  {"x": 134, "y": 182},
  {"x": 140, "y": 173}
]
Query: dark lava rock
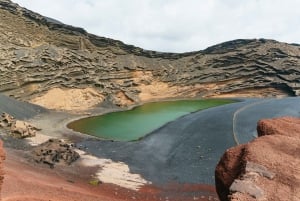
[{"x": 55, "y": 151}]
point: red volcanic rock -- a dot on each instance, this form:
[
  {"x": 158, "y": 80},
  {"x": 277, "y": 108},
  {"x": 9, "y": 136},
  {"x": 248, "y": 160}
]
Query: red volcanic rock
[
  {"x": 228, "y": 169},
  {"x": 267, "y": 168},
  {"x": 2, "y": 158},
  {"x": 288, "y": 126}
]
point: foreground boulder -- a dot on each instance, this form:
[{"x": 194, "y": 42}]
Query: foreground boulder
[
  {"x": 268, "y": 168},
  {"x": 55, "y": 151}
]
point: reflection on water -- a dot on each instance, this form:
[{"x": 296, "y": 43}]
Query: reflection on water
[{"x": 136, "y": 123}]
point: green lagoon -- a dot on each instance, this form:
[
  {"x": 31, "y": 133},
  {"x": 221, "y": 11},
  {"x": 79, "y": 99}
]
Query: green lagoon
[{"x": 136, "y": 123}]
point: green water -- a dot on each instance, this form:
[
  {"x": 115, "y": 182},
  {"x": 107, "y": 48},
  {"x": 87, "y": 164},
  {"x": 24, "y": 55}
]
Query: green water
[{"x": 136, "y": 123}]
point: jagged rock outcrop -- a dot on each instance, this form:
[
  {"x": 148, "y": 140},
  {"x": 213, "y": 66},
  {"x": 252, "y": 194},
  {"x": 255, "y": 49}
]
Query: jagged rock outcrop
[
  {"x": 55, "y": 151},
  {"x": 38, "y": 54},
  {"x": 17, "y": 128},
  {"x": 266, "y": 168}
]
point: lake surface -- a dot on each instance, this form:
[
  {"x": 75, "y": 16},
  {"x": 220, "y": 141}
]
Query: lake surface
[{"x": 136, "y": 123}]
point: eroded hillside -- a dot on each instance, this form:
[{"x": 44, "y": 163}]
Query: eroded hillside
[{"x": 39, "y": 55}]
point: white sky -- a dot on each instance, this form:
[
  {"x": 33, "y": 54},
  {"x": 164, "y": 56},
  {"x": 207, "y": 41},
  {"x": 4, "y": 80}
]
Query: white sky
[{"x": 177, "y": 25}]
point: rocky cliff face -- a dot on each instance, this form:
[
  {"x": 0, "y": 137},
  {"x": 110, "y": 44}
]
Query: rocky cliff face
[
  {"x": 266, "y": 168},
  {"x": 38, "y": 54}
]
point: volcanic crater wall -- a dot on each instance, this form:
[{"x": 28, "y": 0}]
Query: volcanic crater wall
[{"x": 38, "y": 54}]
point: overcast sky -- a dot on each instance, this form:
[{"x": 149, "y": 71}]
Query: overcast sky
[{"x": 177, "y": 25}]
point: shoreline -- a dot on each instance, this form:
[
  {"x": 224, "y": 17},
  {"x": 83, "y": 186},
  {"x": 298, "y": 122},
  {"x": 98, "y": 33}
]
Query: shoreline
[
  {"x": 172, "y": 143},
  {"x": 92, "y": 113},
  {"x": 54, "y": 123}
]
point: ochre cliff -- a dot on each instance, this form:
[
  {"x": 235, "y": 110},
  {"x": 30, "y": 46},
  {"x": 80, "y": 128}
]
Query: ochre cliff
[
  {"x": 38, "y": 54},
  {"x": 266, "y": 168}
]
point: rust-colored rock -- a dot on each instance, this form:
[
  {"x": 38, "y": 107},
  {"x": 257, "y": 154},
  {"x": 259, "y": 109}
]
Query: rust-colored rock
[
  {"x": 268, "y": 164},
  {"x": 228, "y": 169},
  {"x": 288, "y": 126}
]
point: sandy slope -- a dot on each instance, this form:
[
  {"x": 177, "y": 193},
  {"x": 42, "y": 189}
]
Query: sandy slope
[{"x": 69, "y": 99}]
